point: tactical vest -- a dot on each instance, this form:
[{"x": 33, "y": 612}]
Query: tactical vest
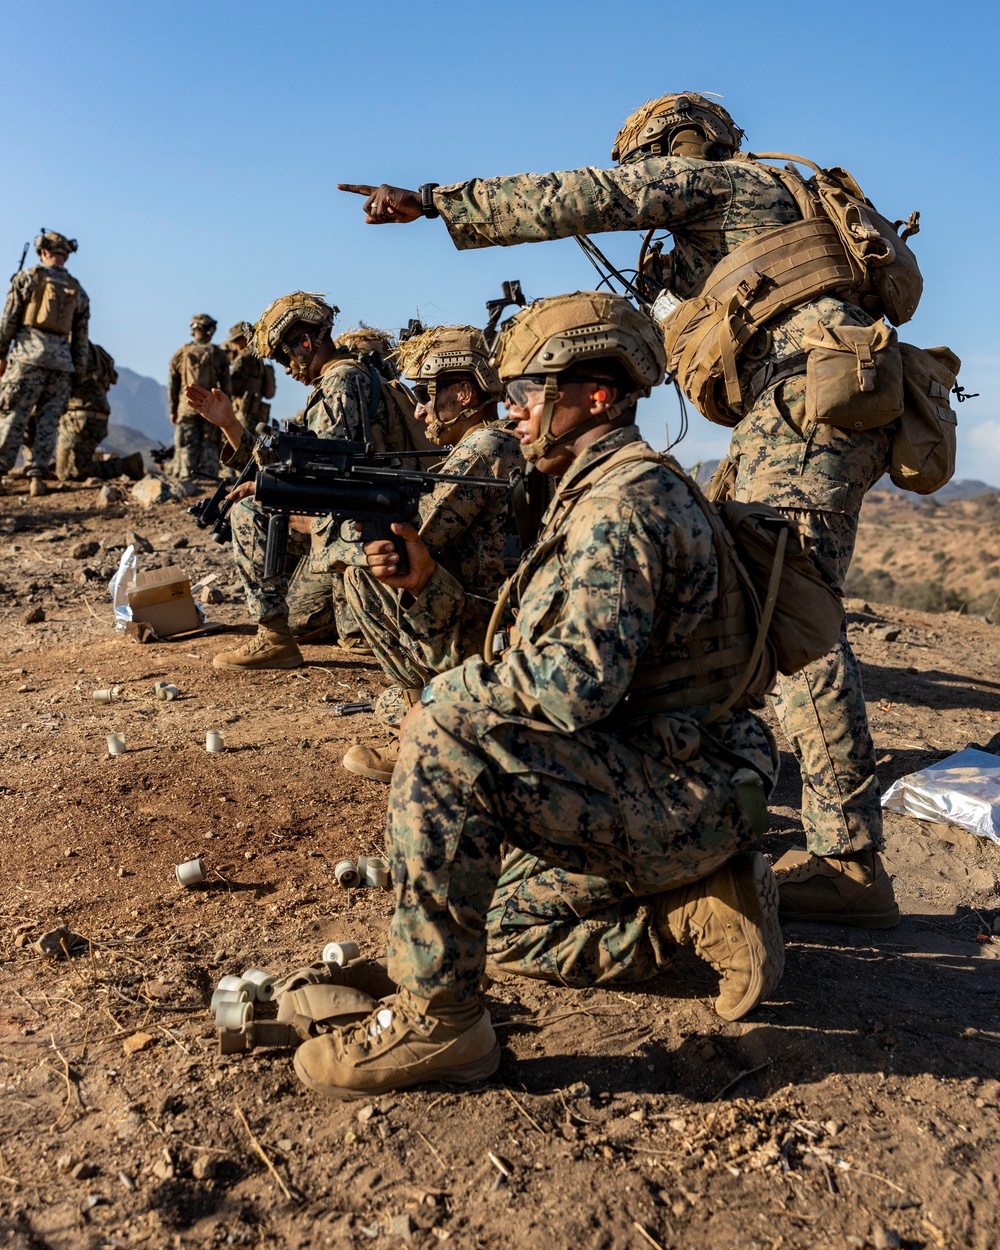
[
  {"x": 841, "y": 247},
  {"x": 773, "y": 611},
  {"x": 53, "y": 302}
]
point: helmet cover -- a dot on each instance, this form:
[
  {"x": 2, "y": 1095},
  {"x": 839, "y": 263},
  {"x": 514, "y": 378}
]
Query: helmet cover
[{"x": 652, "y": 125}]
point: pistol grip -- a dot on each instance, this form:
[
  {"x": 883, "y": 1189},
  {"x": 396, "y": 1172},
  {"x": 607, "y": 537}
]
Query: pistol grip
[{"x": 380, "y": 529}]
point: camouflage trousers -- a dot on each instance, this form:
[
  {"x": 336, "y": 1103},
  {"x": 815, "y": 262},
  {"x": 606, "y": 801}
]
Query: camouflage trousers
[
  {"x": 304, "y": 597},
  {"x": 619, "y": 819},
  {"x": 574, "y": 928},
  {"x": 819, "y": 476},
  {"x": 197, "y": 444},
  {"x": 80, "y": 435},
  {"x": 27, "y": 390},
  {"x": 375, "y": 607}
]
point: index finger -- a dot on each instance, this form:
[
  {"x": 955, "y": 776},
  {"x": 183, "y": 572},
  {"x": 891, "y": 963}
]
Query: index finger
[{"x": 358, "y": 188}]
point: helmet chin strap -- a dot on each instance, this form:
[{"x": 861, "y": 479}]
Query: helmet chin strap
[
  {"x": 436, "y": 426},
  {"x": 546, "y": 440}
]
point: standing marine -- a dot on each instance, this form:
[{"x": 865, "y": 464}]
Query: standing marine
[
  {"x": 43, "y": 344},
  {"x": 742, "y": 246},
  {"x": 585, "y": 744},
  {"x": 464, "y": 525},
  {"x": 198, "y": 363},
  {"x": 251, "y": 380}
]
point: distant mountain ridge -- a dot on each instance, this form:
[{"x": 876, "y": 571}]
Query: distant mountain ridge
[{"x": 140, "y": 403}]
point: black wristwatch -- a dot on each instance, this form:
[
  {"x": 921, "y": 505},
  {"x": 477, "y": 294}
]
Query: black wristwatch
[
  {"x": 427, "y": 206},
  {"x": 426, "y": 696}
]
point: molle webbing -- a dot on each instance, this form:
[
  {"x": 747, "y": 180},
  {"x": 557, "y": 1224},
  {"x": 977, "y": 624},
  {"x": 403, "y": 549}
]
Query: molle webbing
[
  {"x": 760, "y": 280},
  {"x": 723, "y": 661}
]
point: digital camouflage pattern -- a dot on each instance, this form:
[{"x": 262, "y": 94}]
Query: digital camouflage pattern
[
  {"x": 28, "y": 390},
  {"x": 41, "y": 365},
  {"x": 465, "y": 528},
  {"x": 521, "y": 750},
  {"x": 305, "y": 597},
  {"x": 84, "y": 425},
  {"x": 711, "y": 208},
  {"x": 197, "y": 443},
  {"x": 246, "y": 373},
  {"x": 818, "y": 474},
  {"x": 337, "y": 403},
  {"x": 29, "y": 345}
]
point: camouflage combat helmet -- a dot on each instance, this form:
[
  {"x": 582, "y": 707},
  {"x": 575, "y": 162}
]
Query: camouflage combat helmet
[
  {"x": 365, "y": 339},
  {"x": 202, "y": 321},
  {"x": 431, "y": 355},
  {"x": 653, "y": 128},
  {"x": 306, "y": 307},
  {"x": 552, "y": 336},
  {"x": 238, "y": 331},
  {"x": 53, "y": 241}
]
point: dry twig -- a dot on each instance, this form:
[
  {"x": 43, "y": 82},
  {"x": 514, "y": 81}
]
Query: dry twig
[
  {"x": 646, "y": 1237},
  {"x": 263, "y": 1154}
]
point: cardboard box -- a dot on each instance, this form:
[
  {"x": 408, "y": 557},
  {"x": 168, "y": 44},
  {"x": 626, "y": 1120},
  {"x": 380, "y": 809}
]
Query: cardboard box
[{"x": 161, "y": 598}]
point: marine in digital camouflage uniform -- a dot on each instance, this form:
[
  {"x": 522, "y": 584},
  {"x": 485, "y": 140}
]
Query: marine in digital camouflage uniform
[
  {"x": 295, "y": 331},
  {"x": 199, "y": 363},
  {"x": 681, "y": 172},
  {"x": 464, "y": 524},
  {"x": 542, "y": 749},
  {"x": 43, "y": 343},
  {"x": 84, "y": 426},
  {"x": 248, "y": 376}
]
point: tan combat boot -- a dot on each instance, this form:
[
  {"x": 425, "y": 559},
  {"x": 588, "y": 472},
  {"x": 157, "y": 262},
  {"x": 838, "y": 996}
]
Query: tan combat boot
[
  {"x": 37, "y": 487},
  {"x": 371, "y": 763},
  {"x": 273, "y": 647},
  {"x": 399, "y": 1045},
  {"x": 852, "y": 889},
  {"x": 731, "y": 917},
  {"x": 357, "y": 646}
]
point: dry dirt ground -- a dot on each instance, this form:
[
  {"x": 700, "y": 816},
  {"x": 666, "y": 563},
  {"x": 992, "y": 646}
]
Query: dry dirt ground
[{"x": 860, "y": 1107}]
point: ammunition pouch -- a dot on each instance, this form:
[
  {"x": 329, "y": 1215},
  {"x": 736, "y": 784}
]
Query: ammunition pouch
[
  {"x": 53, "y": 303},
  {"x": 854, "y": 376},
  {"x": 760, "y": 280},
  {"x": 922, "y": 458}
]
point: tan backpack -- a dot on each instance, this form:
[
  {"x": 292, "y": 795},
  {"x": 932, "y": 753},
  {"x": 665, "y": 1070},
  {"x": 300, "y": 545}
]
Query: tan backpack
[
  {"x": 267, "y": 382},
  {"x": 198, "y": 365},
  {"x": 405, "y": 434},
  {"x": 53, "y": 302}
]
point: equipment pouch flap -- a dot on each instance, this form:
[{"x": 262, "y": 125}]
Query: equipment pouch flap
[{"x": 854, "y": 376}]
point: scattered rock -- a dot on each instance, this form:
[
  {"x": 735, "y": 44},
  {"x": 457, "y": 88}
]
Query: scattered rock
[
  {"x": 163, "y": 1170},
  {"x": 401, "y": 1226},
  {"x": 151, "y": 490},
  {"x": 34, "y": 616},
  {"x": 83, "y": 551},
  {"x": 108, "y": 496},
  {"x": 886, "y": 1239},
  {"x": 132, "y": 539},
  {"x": 126, "y": 1182},
  {"x": 84, "y": 1171},
  {"x": 50, "y": 536},
  {"x": 180, "y": 541},
  {"x": 59, "y": 940},
  {"x": 214, "y": 595},
  {"x": 65, "y": 1162},
  {"x": 366, "y": 1113},
  {"x": 22, "y": 940},
  {"x": 203, "y": 1168},
  {"x": 285, "y": 1144},
  {"x": 138, "y": 1041},
  {"x": 886, "y": 633}
]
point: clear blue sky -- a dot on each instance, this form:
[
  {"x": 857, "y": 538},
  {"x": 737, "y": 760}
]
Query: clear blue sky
[{"x": 194, "y": 150}]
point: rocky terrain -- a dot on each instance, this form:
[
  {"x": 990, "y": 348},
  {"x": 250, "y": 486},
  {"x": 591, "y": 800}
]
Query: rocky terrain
[{"x": 861, "y": 1107}]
